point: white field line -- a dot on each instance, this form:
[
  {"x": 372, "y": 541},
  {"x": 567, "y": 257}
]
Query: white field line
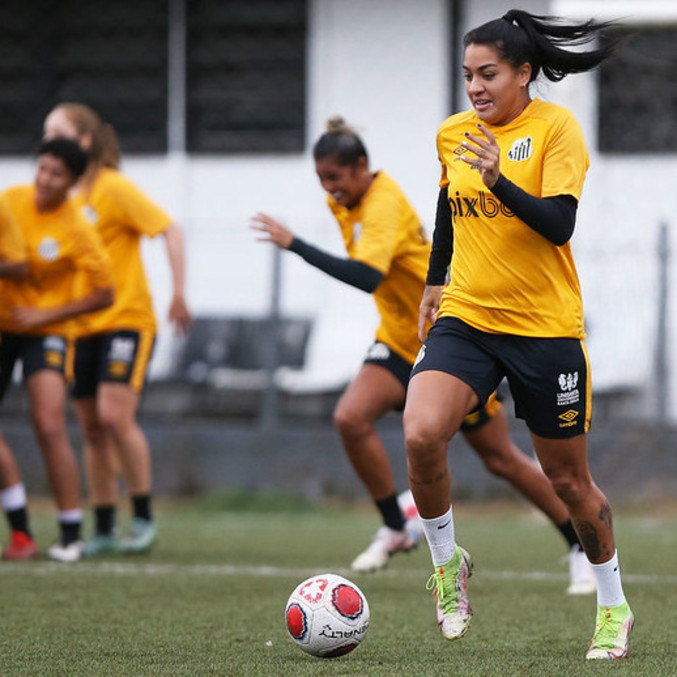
[{"x": 137, "y": 569}]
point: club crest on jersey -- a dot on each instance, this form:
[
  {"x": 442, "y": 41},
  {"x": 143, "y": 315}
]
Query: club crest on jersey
[
  {"x": 521, "y": 149},
  {"x": 357, "y": 231},
  {"x": 48, "y": 249},
  {"x": 90, "y": 214}
]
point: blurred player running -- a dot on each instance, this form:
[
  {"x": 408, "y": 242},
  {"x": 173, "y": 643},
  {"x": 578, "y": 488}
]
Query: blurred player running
[
  {"x": 388, "y": 256},
  {"x": 114, "y": 347},
  {"x": 36, "y": 318}
]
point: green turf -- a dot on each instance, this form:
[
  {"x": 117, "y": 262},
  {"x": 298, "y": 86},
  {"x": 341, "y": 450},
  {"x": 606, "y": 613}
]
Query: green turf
[{"x": 182, "y": 611}]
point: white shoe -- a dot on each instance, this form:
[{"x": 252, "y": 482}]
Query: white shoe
[
  {"x": 385, "y": 543},
  {"x": 581, "y": 578},
  {"x": 66, "y": 553},
  {"x": 407, "y": 505},
  {"x": 413, "y": 525}
]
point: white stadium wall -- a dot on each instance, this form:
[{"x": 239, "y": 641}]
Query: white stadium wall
[{"x": 384, "y": 65}]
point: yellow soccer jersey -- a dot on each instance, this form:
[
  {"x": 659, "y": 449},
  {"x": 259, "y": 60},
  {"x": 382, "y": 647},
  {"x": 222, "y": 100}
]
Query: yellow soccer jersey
[
  {"x": 505, "y": 277},
  {"x": 384, "y": 232},
  {"x": 12, "y": 247},
  {"x": 60, "y": 245},
  {"x": 122, "y": 214}
]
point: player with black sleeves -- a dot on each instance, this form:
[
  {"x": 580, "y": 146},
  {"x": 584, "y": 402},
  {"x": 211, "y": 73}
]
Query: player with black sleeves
[{"x": 513, "y": 169}]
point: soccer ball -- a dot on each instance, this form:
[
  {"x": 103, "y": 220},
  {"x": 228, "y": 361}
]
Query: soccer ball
[{"x": 327, "y": 615}]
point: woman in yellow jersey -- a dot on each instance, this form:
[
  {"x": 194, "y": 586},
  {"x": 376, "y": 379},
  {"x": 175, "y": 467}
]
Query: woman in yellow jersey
[
  {"x": 512, "y": 173},
  {"x": 13, "y": 264},
  {"x": 35, "y": 322},
  {"x": 388, "y": 256},
  {"x": 113, "y": 348}
]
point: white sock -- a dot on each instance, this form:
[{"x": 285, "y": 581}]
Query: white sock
[
  {"x": 70, "y": 516},
  {"x": 13, "y": 498},
  {"x": 439, "y": 532},
  {"x": 608, "y": 578}
]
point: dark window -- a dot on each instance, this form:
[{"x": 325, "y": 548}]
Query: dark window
[
  {"x": 111, "y": 56},
  {"x": 246, "y": 75},
  {"x": 638, "y": 93}
]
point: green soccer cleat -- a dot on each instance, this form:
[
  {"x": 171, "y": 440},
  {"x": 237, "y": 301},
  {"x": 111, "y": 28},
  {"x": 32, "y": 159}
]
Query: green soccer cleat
[
  {"x": 612, "y": 632},
  {"x": 448, "y": 584},
  {"x": 140, "y": 538},
  {"x": 101, "y": 544}
]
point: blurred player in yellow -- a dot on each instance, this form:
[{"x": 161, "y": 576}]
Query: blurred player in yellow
[
  {"x": 113, "y": 347},
  {"x": 388, "y": 254},
  {"x": 13, "y": 264},
  {"x": 36, "y": 317}
]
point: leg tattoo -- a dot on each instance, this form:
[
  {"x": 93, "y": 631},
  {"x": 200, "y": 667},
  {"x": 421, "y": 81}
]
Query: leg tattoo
[
  {"x": 605, "y": 515},
  {"x": 427, "y": 483},
  {"x": 589, "y": 539}
]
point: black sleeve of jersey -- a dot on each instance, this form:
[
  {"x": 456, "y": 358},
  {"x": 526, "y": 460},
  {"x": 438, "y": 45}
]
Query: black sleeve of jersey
[
  {"x": 352, "y": 272},
  {"x": 443, "y": 242},
  {"x": 552, "y": 217}
]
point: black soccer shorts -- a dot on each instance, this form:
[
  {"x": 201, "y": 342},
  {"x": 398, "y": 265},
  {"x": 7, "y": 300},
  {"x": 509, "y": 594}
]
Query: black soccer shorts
[{"x": 549, "y": 377}]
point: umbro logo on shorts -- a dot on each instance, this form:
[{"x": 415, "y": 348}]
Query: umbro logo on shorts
[{"x": 568, "y": 417}]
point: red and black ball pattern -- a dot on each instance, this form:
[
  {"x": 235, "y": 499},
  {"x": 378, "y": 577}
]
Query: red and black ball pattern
[
  {"x": 347, "y": 601},
  {"x": 297, "y": 622}
]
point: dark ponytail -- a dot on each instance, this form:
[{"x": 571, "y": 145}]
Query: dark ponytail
[{"x": 521, "y": 37}]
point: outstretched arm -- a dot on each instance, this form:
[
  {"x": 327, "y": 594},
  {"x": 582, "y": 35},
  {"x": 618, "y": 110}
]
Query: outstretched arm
[{"x": 354, "y": 273}]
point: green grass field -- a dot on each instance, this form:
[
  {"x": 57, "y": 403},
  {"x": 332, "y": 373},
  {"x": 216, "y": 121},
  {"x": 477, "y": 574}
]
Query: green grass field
[{"x": 209, "y": 599}]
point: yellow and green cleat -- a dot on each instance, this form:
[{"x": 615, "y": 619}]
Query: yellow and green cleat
[
  {"x": 449, "y": 586},
  {"x": 612, "y": 633}
]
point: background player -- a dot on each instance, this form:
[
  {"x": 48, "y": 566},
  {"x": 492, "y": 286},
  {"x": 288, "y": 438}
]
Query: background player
[
  {"x": 114, "y": 347},
  {"x": 13, "y": 497},
  {"x": 388, "y": 257},
  {"x": 35, "y": 322}
]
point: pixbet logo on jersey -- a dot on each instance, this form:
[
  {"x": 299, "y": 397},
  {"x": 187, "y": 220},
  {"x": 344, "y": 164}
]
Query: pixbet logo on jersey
[{"x": 483, "y": 204}]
